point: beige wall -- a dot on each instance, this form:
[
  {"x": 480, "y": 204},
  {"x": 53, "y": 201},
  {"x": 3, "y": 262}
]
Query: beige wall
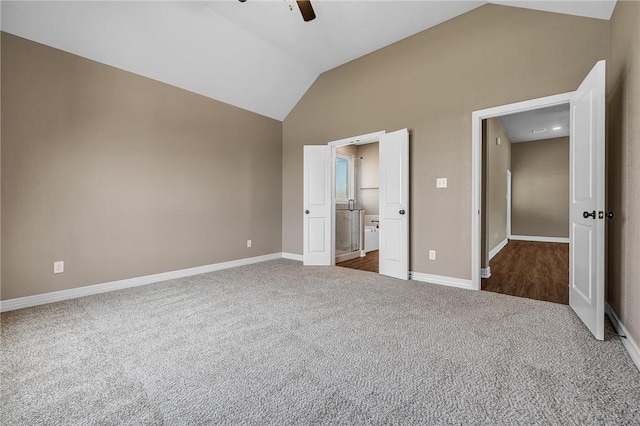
[
  {"x": 540, "y": 188},
  {"x": 623, "y": 291},
  {"x": 120, "y": 176},
  {"x": 347, "y": 150},
  {"x": 430, "y": 83},
  {"x": 497, "y": 160}
]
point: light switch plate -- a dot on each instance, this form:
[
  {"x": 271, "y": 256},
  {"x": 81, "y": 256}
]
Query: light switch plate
[{"x": 441, "y": 182}]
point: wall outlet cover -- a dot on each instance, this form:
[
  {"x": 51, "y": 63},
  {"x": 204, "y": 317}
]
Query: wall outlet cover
[
  {"x": 58, "y": 267},
  {"x": 441, "y": 182},
  {"x": 248, "y": 243},
  {"x": 432, "y": 255}
]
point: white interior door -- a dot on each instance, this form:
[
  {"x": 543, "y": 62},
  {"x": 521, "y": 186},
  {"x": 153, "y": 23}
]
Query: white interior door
[
  {"x": 586, "y": 274},
  {"x": 394, "y": 204},
  {"x": 317, "y": 205}
]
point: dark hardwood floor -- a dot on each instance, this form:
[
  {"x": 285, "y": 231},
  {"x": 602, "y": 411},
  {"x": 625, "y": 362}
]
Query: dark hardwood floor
[
  {"x": 531, "y": 269},
  {"x": 367, "y": 263}
]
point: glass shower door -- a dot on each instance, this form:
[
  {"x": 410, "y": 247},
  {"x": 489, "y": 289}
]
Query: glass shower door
[{"x": 347, "y": 230}]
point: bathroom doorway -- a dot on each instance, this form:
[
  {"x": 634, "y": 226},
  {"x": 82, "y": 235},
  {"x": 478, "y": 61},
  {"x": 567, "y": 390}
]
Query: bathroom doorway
[
  {"x": 319, "y": 201},
  {"x": 357, "y": 200}
]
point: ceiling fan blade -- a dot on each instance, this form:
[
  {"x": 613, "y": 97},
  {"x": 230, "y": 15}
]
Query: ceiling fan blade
[{"x": 306, "y": 9}]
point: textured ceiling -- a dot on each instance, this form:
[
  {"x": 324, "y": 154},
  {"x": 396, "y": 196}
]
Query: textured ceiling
[{"x": 257, "y": 55}]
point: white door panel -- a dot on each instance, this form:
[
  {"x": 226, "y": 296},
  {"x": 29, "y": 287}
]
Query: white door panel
[
  {"x": 393, "y": 242},
  {"x": 317, "y": 230},
  {"x": 586, "y": 273},
  {"x": 317, "y": 205},
  {"x": 394, "y": 204}
]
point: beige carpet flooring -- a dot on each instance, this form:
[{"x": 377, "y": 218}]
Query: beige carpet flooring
[{"x": 279, "y": 343}]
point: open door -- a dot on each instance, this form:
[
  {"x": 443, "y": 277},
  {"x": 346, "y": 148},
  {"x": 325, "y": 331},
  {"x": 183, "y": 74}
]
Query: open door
[
  {"x": 317, "y": 205},
  {"x": 394, "y": 204},
  {"x": 586, "y": 273}
]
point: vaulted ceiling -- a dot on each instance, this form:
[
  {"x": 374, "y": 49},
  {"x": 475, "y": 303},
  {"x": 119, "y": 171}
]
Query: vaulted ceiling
[{"x": 258, "y": 55}]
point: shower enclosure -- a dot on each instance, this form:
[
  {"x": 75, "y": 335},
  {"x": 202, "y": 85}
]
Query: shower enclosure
[
  {"x": 349, "y": 213},
  {"x": 348, "y": 232}
]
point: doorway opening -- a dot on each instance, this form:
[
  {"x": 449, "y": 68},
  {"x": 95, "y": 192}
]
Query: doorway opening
[
  {"x": 357, "y": 200},
  {"x": 525, "y": 204},
  {"x": 480, "y": 268},
  {"x": 319, "y": 201}
]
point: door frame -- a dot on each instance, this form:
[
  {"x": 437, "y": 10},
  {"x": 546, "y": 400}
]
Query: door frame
[
  {"x": 476, "y": 166},
  {"x": 354, "y": 140},
  {"x": 509, "y": 204}
]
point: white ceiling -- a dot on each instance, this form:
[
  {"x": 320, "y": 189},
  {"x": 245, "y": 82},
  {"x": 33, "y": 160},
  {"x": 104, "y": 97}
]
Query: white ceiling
[
  {"x": 520, "y": 127},
  {"x": 256, "y": 55}
]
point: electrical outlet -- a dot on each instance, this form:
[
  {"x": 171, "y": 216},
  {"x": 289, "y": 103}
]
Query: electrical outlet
[
  {"x": 58, "y": 267},
  {"x": 432, "y": 255},
  {"x": 441, "y": 182},
  {"x": 248, "y": 243}
]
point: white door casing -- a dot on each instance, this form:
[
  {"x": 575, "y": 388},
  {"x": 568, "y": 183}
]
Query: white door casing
[
  {"x": 317, "y": 202},
  {"x": 394, "y": 204},
  {"x": 476, "y": 166},
  {"x": 586, "y": 273},
  {"x": 508, "y": 204}
]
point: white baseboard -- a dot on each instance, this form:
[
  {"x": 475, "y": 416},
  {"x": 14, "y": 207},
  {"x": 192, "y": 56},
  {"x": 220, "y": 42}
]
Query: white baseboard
[
  {"x": 57, "y": 296},
  {"x": 292, "y": 256},
  {"x": 497, "y": 249},
  {"x": 540, "y": 239},
  {"x": 630, "y": 345},
  {"x": 442, "y": 280},
  {"x": 347, "y": 256},
  {"x": 485, "y": 272}
]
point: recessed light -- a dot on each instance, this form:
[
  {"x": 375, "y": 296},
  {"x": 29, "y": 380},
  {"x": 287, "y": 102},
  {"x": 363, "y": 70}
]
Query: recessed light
[
  {"x": 538, "y": 130},
  {"x": 557, "y": 128}
]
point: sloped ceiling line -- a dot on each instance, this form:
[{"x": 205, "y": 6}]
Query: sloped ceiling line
[{"x": 256, "y": 55}]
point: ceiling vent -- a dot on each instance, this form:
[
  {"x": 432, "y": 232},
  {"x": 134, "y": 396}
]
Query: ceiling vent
[{"x": 538, "y": 130}]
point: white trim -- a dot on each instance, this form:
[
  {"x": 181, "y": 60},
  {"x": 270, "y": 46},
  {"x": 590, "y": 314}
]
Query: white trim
[
  {"x": 292, "y": 256},
  {"x": 540, "y": 239},
  {"x": 442, "y": 280},
  {"x": 497, "y": 249},
  {"x": 348, "y": 256},
  {"x": 476, "y": 165},
  {"x": 485, "y": 272},
  {"x": 57, "y": 296},
  {"x": 630, "y": 345},
  {"x": 509, "y": 192}
]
